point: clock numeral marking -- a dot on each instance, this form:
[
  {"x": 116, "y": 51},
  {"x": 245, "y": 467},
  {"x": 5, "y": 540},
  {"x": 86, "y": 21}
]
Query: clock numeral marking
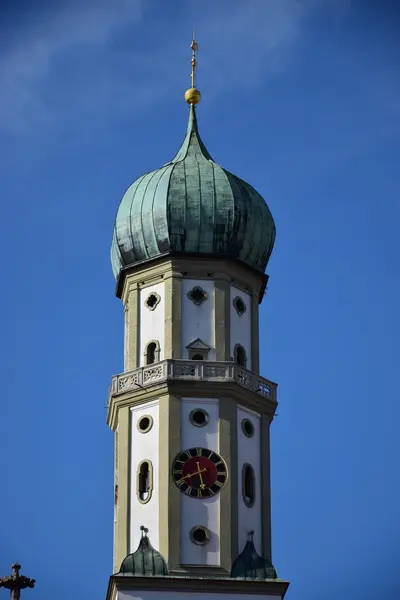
[
  {"x": 198, "y": 451},
  {"x": 177, "y": 472}
]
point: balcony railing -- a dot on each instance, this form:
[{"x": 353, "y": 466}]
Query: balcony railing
[{"x": 190, "y": 370}]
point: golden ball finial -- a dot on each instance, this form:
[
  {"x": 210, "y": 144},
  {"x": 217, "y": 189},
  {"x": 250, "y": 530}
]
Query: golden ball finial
[{"x": 192, "y": 96}]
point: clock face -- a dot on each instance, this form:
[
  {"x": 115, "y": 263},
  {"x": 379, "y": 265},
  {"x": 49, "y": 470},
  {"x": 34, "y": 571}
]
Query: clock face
[{"x": 199, "y": 473}]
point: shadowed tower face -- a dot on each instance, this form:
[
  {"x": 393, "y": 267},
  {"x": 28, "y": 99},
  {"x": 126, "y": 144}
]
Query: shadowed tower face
[{"x": 191, "y": 412}]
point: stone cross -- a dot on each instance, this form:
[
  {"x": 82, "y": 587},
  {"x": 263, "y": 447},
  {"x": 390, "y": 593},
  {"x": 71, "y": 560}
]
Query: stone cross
[{"x": 16, "y": 582}]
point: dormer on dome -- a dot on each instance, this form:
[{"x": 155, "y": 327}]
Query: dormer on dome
[{"x": 192, "y": 206}]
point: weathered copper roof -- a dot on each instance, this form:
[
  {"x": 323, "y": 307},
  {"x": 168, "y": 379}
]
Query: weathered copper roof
[
  {"x": 250, "y": 565},
  {"x": 192, "y": 205},
  {"x": 145, "y": 562}
]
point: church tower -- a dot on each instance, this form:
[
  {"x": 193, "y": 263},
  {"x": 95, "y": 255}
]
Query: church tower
[{"x": 191, "y": 412}]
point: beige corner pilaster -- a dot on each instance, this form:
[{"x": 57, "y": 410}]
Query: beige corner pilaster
[
  {"x": 266, "y": 486},
  {"x": 173, "y": 315},
  {"x": 123, "y": 445},
  {"x": 228, "y": 526},
  {"x": 169, "y": 443},
  {"x": 222, "y": 316},
  {"x": 255, "y": 350},
  {"x": 131, "y": 358}
]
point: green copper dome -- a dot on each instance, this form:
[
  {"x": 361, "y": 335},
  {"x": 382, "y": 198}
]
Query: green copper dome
[
  {"x": 192, "y": 206},
  {"x": 145, "y": 562},
  {"x": 250, "y": 565}
]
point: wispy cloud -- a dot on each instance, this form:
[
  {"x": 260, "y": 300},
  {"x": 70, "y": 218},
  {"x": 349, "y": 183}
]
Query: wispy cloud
[{"x": 84, "y": 57}]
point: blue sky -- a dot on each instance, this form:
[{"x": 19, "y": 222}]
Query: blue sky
[{"x": 300, "y": 98}]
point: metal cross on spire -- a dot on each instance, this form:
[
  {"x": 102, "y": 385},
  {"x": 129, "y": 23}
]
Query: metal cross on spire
[{"x": 16, "y": 582}]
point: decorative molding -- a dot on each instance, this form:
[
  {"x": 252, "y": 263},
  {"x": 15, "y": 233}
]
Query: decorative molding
[
  {"x": 147, "y": 424},
  {"x": 157, "y": 351},
  {"x": 152, "y": 301},
  {"x": 192, "y": 371},
  {"x": 239, "y": 305},
  {"x": 197, "y": 295},
  {"x": 197, "y": 585},
  {"x": 198, "y": 348}
]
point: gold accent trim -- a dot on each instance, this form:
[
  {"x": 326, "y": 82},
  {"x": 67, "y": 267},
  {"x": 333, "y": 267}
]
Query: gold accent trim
[{"x": 192, "y": 95}]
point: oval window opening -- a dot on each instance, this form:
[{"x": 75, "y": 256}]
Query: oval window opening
[
  {"x": 249, "y": 485},
  {"x": 144, "y": 482}
]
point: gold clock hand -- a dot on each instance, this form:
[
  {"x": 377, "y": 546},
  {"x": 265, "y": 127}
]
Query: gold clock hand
[
  {"x": 202, "y": 485},
  {"x": 189, "y": 475}
]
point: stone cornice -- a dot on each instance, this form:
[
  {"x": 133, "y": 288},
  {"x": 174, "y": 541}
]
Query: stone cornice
[
  {"x": 187, "y": 378},
  {"x": 204, "y": 585},
  {"x": 197, "y": 267}
]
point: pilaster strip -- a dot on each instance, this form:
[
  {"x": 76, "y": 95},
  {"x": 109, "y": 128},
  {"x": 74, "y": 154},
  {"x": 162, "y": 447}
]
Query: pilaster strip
[
  {"x": 173, "y": 316},
  {"x": 169, "y": 506},
  {"x": 266, "y": 486},
  {"x": 255, "y": 351},
  {"x": 124, "y": 481},
  {"x": 132, "y": 333},
  {"x": 229, "y": 495},
  {"x": 222, "y": 317}
]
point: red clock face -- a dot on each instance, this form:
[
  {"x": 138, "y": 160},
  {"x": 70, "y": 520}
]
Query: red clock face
[{"x": 199, "y": 473}]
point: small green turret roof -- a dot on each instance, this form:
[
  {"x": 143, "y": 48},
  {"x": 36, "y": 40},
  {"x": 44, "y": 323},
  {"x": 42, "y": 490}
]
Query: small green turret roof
[
  {"x": 250, "y": 565},
  {"x": 145, "y": 562},
  {"x": 192, "y": 206}
]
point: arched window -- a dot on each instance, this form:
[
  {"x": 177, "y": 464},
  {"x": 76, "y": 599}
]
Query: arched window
[
  {"x": 240, "y": 355},
  {"x": 144, "y": 481},
  {"x": 197, "y": 357},
  {"x": 152, "y": 352},
  {"x": 248, "y": 485}
]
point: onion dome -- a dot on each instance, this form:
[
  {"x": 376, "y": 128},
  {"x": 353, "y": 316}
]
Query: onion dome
[
  {"x": 145, "y": 562},
  {"x": 193, "y": 207},
  {"x": 250, "y": 565}
]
